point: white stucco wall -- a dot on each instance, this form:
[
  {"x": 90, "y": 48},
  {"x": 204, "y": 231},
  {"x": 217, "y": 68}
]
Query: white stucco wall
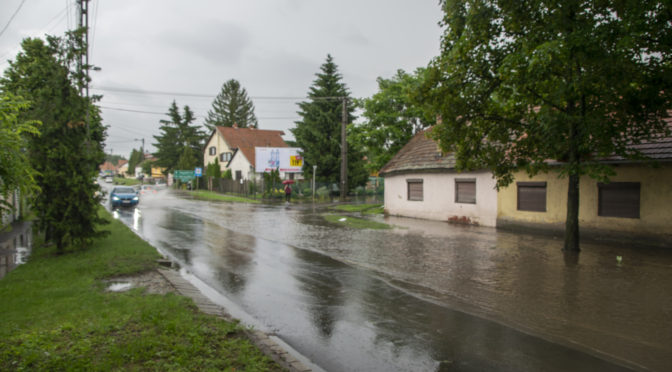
[
  {"x": 439, "y": 198},
  {"x": 240, "y": 163},
  {"x": 220, "y": 145}
]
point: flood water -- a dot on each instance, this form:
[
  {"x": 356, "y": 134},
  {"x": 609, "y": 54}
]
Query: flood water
[
  {"x": 423, "y": 296},
  {"x": 15, "y": 246}
]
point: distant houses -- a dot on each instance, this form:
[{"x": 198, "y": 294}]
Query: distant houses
[
  {"x": 234, "y": 148},
  {"x": 421, "y": 182}
]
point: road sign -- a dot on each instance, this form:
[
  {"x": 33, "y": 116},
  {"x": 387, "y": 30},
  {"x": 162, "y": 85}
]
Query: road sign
[
  {"x": 184, "y": 175},
  {"x": 198, "y": 172}
]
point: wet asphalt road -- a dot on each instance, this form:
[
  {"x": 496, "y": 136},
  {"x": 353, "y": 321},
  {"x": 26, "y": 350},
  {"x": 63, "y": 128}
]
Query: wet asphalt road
[{"x": 424, "y": 296}]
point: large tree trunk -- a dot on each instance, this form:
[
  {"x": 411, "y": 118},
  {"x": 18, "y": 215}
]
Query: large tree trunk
[{"x": 572, "y": 223}]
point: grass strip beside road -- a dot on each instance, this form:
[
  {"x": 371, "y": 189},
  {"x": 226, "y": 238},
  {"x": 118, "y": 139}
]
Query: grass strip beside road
[
  {"x": 57, "y": 315},
  {"x": 355, "y": 223},
  {"x": 363, "y": 208},
  {"x": 126, "y": 181},
  {"x": 211, "y": 195}
]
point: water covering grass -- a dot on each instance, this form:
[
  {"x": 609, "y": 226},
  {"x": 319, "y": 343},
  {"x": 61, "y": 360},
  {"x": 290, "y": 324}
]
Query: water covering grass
[
  {"x": 355, "y": 223},
  {"x": 363, "y": 208},
  {"x": 211, "y": 195},
  {"x": 56, "y": 315}
]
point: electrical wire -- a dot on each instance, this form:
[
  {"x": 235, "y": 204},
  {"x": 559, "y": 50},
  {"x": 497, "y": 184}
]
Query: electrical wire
[
  {"x": 200, "y": 95},
  {"x": 196, "y": 116},
  {"x": 12, "y": 17}
]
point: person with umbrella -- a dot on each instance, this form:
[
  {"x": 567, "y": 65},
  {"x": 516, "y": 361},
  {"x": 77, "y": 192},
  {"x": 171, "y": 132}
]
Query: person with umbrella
[{"x": 288, "y": 189}]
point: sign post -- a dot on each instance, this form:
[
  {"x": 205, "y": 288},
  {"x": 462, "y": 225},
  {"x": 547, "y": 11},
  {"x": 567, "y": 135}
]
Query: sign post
[
  {"x": 183, "y": 175},
  {"x": 198, "y": 172}
]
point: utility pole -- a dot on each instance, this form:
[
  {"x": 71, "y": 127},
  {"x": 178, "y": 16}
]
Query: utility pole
[
  {"x": 344, "y": 150},
  {"x": 83, "y": 22}
]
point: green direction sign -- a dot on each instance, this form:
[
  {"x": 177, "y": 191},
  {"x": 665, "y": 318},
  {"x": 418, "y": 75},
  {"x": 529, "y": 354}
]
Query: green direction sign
[{"x": 184, "y": 175}]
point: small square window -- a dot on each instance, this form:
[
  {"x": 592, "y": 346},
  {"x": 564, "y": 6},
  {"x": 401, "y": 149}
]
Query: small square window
[
  {"x": 618, "y": 199},
  {"x": 225, "y": 157},
  {"x": 532, "y": 196},
  {"x": 465, "y": 191},
  {"x": 414, "y": 187},
  {"x": 212, "y": 150}
]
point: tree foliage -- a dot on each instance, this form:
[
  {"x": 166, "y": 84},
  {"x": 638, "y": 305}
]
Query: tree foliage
[
  {"x": 178, "y": 134},
  {"x": 318, "y": 133},
  {"x": 134, "y": 160},
  {"x": 16, "y": 172},
  {"x": 519, "y": 83},
  {"x": 67, "y": 154},
  {"x": 391, "y": 118},
  {"x": 231, "y": 106}
]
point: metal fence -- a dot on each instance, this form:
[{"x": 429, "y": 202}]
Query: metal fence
[{"x": 301, "y": 189}]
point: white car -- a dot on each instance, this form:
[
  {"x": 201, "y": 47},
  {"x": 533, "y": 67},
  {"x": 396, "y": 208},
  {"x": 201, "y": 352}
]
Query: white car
[{"x": 109, "y": 179}]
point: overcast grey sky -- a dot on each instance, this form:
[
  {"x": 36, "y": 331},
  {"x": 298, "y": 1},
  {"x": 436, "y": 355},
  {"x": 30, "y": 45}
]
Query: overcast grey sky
[{"x": 273, "y": 47}]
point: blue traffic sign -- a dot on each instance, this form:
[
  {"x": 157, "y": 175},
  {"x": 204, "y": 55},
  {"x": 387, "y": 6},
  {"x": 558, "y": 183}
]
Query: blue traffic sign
[{"x": 198, "y": 172}]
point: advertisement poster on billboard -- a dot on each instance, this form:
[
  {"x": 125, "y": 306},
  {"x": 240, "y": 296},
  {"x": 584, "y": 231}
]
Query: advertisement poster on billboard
[{"x": 285, "y": 159}]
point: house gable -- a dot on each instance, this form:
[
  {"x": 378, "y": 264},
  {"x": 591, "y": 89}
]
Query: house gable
[{"x": 244, "y": 140}]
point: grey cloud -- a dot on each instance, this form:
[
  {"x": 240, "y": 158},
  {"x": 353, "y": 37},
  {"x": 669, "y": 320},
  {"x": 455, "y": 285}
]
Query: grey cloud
[{"x": 215, "y": 41}]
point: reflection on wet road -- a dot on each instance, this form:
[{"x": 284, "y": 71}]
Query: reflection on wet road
[{"x": 424, "y": 297}]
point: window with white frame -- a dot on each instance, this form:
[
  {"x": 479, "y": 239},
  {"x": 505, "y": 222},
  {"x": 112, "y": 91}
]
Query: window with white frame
[
  {"x": 225, "y": 157},
  {"x": 212, "y": 150}
]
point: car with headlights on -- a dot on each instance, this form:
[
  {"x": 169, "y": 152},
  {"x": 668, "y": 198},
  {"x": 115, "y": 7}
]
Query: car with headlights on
[{"x": 124, "y": 196}]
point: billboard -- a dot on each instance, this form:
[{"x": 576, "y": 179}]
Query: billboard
[{"x": 286, "y": 159}]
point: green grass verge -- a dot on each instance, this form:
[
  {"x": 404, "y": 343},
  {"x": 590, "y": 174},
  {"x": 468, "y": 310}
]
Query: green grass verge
[
  {"x": 56, "y": 315},
  {"x": 211, "y": 195},
  {"x": 363, "y": 208},
  {"x": 126, "y": 181},
  {"x": 355, "y": 223}
]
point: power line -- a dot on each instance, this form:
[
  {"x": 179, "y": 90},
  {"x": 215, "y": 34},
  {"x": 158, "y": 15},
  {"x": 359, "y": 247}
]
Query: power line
[
  {"x": 12, "y": 17},
  {"x": 200, "y": 95},
  {"x": 197, "y": 116}
]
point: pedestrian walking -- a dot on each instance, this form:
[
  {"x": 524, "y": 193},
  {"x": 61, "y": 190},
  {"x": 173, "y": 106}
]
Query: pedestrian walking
[{"x": 288, "y": 192}]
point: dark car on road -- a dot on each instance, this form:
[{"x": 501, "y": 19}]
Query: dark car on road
[{"x": 124, "y": 196}]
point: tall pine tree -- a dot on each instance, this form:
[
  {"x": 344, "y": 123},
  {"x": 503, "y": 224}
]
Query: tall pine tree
[
  {"x": 67, "y": 154},
  {"x": 318, "y": 133},
  {"x": 231, "y": 106},
  {"x": 178, "y": 133}
]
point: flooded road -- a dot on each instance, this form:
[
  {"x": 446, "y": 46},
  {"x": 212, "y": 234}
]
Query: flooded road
[{"x": 424, "y": 296}]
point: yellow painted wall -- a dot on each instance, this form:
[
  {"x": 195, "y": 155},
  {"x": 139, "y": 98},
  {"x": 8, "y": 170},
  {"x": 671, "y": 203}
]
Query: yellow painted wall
[
  {"x": 157, "y": 172},
  {"x": 218, "y": 141},
  {"x": 655, "y": 201}
]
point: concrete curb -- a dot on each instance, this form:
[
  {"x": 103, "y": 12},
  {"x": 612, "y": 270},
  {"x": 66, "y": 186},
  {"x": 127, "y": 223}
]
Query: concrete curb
[{"x": 265, "y": 343}]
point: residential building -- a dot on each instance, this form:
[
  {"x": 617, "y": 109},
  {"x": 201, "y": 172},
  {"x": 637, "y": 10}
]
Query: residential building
[
  {"x": 422, "y": 182},
  {"x": 635, "y": 204},
  {"x": 234, "y": 148}
]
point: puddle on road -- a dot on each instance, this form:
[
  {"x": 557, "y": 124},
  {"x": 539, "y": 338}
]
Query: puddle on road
[{"x": 15, "y": 247}]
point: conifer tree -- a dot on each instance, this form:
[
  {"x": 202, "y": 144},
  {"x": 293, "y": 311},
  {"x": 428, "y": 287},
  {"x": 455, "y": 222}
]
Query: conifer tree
[
  {"x": 231, "y": 106},
  {"x": 67, "y": 154},
  {"x": 178, "y": 133},
  {"x": 318, "y": 133}
]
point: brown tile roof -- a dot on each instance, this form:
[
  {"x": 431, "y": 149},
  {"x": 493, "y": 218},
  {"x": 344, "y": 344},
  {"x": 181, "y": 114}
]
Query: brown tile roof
[
  {"x": 108, "y": 166},
  {"x": 246, "y": 139},
  {"x": 660, "y": 148},
  {"x": 420, "y": 154}
]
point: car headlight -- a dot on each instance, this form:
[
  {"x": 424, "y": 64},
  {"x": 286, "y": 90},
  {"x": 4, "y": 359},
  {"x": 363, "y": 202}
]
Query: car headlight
[
  {"x": 135, "y": 198},
  {"x": 115, "y": 198}
]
